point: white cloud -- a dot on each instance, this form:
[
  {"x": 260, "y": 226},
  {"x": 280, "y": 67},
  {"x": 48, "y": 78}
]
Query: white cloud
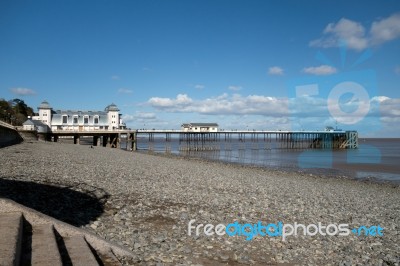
[
  {"x": 379, "y": 99},
  {"x": 236, "y": 104},
  {"x": 223, "y": 104},
  {"x": 115, "y": 77},
  {"x": 145, "y": 115},
  {"x": 384, "y": 113},
  {"x": 386, "y": 29},
  {"x": 22, "y": 91},
  {"x": 128, "y": 118},
  {"x": 234, "y": 88},
  {"x": 199, "y": 86},
  {"x": 181, "y": 100},
  {"x": 275, "y": 70},
  {"x": 351, "y": 32},
  {"x": 320, "y": 70},
  {"x": 388, "y": 107},
  {"x": 124, "y": 91},
  {"x": 262, "y": 112},
  {"x": 355, "y": 35},
  {"x": 139, "y": 117}
]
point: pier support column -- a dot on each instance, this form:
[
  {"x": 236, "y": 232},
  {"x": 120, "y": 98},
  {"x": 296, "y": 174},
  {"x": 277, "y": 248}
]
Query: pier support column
[
  {"x": 113, "y": 140},
  {"x": 105, "y": 140},
  {"x": 119, "y": 141},
  {"x": 95, "y": 140},
  {"x": 109, "y": 139},
  {"x": 55, "y": 138},
  {"x": 76, "y": 139},
  {"x": 132, "y": 140}
]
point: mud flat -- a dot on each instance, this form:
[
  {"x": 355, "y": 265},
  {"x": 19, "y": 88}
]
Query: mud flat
[{"x": 147, "y": 202}]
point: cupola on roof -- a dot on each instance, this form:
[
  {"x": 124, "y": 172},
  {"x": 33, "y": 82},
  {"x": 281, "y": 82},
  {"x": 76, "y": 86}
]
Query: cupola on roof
[{"x": 44, "y": 105}]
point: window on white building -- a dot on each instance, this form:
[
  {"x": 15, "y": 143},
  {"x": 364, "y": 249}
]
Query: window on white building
[
  {"x": 86, "y": 120},
  {"x": 75, "y": 120},
  {"x": 96, "y": 120},
  {"x": 65, "y": 119}
]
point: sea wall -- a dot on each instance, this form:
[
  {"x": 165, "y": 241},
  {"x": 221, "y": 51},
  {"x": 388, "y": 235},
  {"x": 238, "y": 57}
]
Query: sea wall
[{"x": 8, "y": 135}]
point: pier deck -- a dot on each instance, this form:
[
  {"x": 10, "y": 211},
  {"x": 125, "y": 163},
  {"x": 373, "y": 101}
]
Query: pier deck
[
  {"x": 212, "y": 140},
  {"x": 282, "y": 139}
]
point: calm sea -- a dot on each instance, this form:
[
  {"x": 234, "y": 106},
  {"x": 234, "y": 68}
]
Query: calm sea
[{"x": 375, "y": 159}]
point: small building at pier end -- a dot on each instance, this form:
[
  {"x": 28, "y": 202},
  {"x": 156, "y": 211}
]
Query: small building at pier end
[
  {"x": 77, "y": 120},
  {"x": 35, "y": 125},
  {"x": 200, "y": 127}
]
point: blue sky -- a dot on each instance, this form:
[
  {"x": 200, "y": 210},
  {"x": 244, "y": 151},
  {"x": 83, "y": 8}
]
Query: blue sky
[{"x": 236, "y": 63}]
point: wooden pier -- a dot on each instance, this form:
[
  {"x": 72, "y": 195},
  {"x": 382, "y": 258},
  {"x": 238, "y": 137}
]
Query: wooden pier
[{"x": 221, "y": 140}]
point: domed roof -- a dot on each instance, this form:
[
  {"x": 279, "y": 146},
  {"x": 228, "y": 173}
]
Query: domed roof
[
  {"x": 44, "y": 105},
  {"x": 112, "y": 107}
]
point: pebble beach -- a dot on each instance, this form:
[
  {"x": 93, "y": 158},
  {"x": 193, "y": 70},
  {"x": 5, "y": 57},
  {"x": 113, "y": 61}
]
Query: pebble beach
[{"x": 146, "y": 202}]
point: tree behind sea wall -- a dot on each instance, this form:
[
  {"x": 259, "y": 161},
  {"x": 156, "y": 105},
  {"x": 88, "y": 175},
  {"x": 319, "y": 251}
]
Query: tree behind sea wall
[{"x": 14, "y": 112}]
